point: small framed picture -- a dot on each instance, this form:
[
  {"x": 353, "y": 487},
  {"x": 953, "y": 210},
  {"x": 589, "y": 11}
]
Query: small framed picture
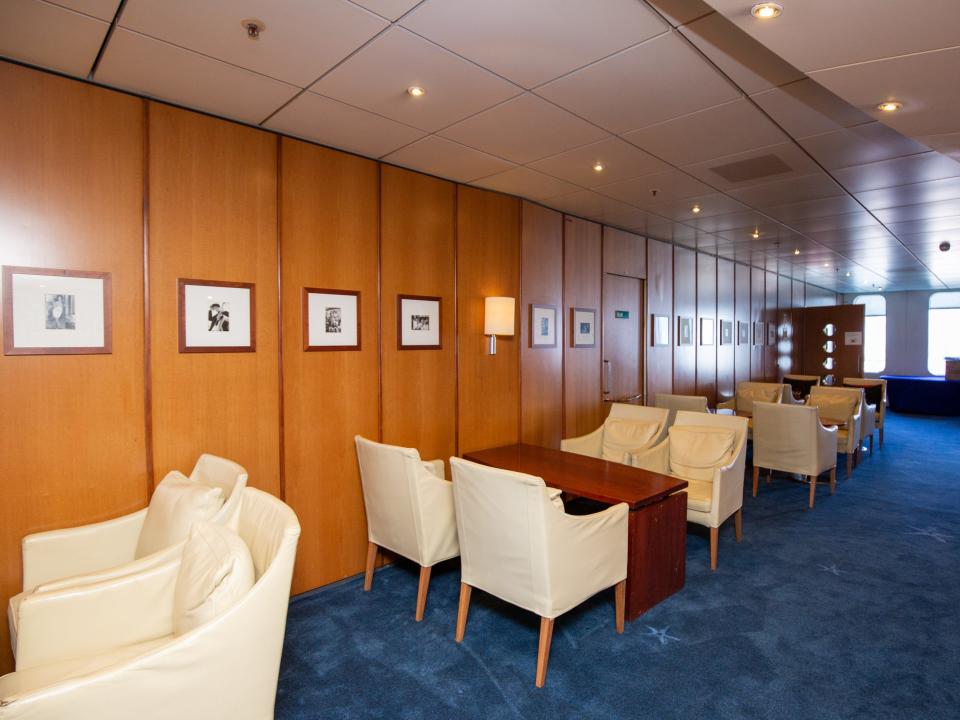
[
  {"x": 543, "y": 326},
  {"x": 684, "y": 330},
  {"x": 418, "y": 322},
  {"x": 331, "y": 319},
  {"x": 660, "y": 330},
  {"x": 771, "y": 334},
  {"x": 726, "y": 332},
  {"x": 216, "y": 316},
  {"x": 584, "y": 327},
  {"x": 706, "y": 331},
  {"x": 743, "y": 333},
  {"x": 56, "y": 312},
  {"x": 758, "y": 334}
]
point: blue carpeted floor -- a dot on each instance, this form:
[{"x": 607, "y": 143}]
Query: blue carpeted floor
[{"x": 849, "y": 611}]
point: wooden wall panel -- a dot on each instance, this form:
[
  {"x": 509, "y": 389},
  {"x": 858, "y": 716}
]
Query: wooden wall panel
[
  {"x": 328, "y": 209},
  {"x": 707, "y": 309},
  {"x": 684, "y": 305},
  {"x": 770, "y": 317},
  {"x": 799, "y": 292},
  {"x": 541, "y": 370},
  {"x": 582, "y": 270},
  {"x": 624, "y": 253},
  {"x": 757, "y": 307},
  {"x": 659, "y": 302},
  {"x": 72, "y": 439},
  {"x": 726, "y": 386},
  {"x": 784, "y": 326},
  {"x": 213, "y": 216},
  {"x": 488, "y": 264},
  {"x": 417, "y": 257},
  {"x": 743, "y": 353}
]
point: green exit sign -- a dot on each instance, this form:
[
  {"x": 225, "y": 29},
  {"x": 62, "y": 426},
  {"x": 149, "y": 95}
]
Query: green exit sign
[{"x": 621, "y": 314}]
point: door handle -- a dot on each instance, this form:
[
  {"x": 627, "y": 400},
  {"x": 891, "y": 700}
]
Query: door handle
[{"x": 607, "y": 376}]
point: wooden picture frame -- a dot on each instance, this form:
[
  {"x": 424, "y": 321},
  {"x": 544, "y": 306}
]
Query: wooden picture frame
[
  {"x": 707, "y": 331},
  {"x": 419, "y": 322},
  {"x": 222, "y": 330},
  {"x": 44, "y": 311},
  {"x": 684, "y": 330},
  {"x": 583, "y": 327},
  {"x": 659, "y": 330},
  {"x": 335, "y": 327},
  {"x": 540, "y": 340}
]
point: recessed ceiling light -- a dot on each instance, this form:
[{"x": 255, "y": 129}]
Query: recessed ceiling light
[
  {"x": 755, "y": 234},
  {"x": 848, "y": 274},
  {"x": 796, "y": 251},
  {"x": 766, "y": 10},
  {"x": 598, "y": 167},
  {"x": 254, "y": 27},
  {"x": 826, "y": 264},
  {"x": 891, "y": 106},
  {"x": 415, "y": 91},
  {"x": 695, "y": 209}
]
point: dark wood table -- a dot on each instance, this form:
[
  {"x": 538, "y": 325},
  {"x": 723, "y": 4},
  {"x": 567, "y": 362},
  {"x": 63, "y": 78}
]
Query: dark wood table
[{"x": 657, "y": 542}]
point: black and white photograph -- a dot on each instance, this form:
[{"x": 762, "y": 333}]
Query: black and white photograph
[
  {"x": 726, "y": 332},
  {"x": 743, "y": 333},
  {"x": 584, "y": 328},
  {"x": 759, "y": 338},
  {"x": 56, "y": 312},
  {"x": 418, "y": 322},
  {"x": 706, "y": 331},
  {"x": 684, "y": 330},
  {"x": 331, "y": 319},
  {"x": 660, "y": 330},
  {"x": 771, "y": 334},
  {"x": 543, "y": 326},
  {"x": 216, "y": 316}
]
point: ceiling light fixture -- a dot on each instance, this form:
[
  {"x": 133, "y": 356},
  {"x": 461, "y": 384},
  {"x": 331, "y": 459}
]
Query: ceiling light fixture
[
  {"x": 826, "y": 264},
  {"x": 416, "y": 91},
  {"x": 890, "y": 106},
  {"x": 253, "y": 27},
  {"x": 848, "y": 274},
  {"x": 695, "y": 209},
  {"x": 796, "y": 251},
  {"x": 766, "y": 10},
  {"x": 755, "y": 234},
  {"x": 598, "y": 167}
]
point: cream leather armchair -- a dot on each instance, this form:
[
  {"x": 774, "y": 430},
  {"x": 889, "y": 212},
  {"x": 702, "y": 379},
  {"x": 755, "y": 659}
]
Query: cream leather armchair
[
  {"x": 791, "y": 439},
  {"x": 875, "y": 395},
  {"x": 627, "y": 429},
  {"x": 709, "y": 452},
  {"x": 842, "y": 407},
  {"x": 798, "y": 385},
  {"x": 114, "y": 650},
  {"x": 518, "y": 544},
  {"x": 674, "y": 403},
  {"x": 747, "y": 394},
  {"x": 409, "y": 508}
]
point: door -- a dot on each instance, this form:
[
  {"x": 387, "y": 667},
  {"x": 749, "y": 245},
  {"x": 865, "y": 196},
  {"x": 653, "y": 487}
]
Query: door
[
  {"x": 623, "y": 335},
  {"x": 833, "y": 342}
]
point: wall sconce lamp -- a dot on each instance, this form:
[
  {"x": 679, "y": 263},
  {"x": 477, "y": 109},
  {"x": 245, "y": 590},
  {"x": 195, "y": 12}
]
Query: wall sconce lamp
[{"x": 498, "y": 315}]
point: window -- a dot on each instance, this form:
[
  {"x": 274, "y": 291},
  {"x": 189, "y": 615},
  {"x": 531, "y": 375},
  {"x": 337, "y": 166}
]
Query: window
[
  {"x": 943, "y": 330},
  {"x": 874, "y": 332}
]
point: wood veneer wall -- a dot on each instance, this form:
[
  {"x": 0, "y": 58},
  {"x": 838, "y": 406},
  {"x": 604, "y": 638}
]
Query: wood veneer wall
[
  {"x": 726, "y": 382},
  {"x": 707, "y": 376},
  {"x": 659, "y": 302}
]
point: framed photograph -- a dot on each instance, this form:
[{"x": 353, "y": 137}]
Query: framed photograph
[
  {"x": 726, "y": 332},
  {"x": 331, "y": 319},
  {"x": 684, "y": 330},
  {"x": 758, "y": 334},
  {"x": 56, "y": 312},
  {"x": 743, "y": 333},
  {"x": 771, "y": 334},
  {"x": 584, "y": 328},
  {"x": 706, "y": 331},
  {"x": 543, "y": 326},
  {"x": 660, "y": 330},
  {"x": 418, "y": 322},
  {"x": 216, "y": 316}
]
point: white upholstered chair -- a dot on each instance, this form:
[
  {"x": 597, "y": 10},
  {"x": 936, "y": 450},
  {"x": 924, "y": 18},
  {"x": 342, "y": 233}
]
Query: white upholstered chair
[
  {"x": 790, "y": 438},
  {"x": 709, "y": 452},
  {"x": 748, "y": 393},
  {"x": 627, "y": 429},
  {"x": 842, "y": 407},
  {"x": 674, "y": 403},
  {"x": 173, "y": 641},
  {"x": 409, "y": 508},
  {"x": 518, "y": 544},
  {"x": 875, "y": 394},
  {"x": 797, "y": 387}
]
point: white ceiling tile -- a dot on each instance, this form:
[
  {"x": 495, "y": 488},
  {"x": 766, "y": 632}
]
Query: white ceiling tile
[
  {"x": 447, "y": 159},
  {"x": 526, "y": 183},
  {"x": 925, "y": 192},
  {"x": 679, "y": 12},
  {"x": 620, "y": 160},
  {"x": 101, "y": 9},
  {"x": 302, "y": 39},
  {"x": 946, "y": 143},
  {"x": 861, "y": 144},
  {"x": 50, "y": 36},
  {"x": 150, "y": 67},
  {"x": 794, "y": 213},
  {"x": 671, "y": 186},
  {"x": 899, "y": 171},
  {"x": 524, "y": 129},
  {"x": 789, "y": 190},
  {"x": 377, "y": 77},
  {"x": 797, "y": 162},
  {"x": 332, "y": 123},
  {"x": 390, "y": 9},
  {"x": 590, "y": 204},
  {"x": 805, "y": 108},
  {"x": 533, "y": 41},
  {"x": 660, "y": 79}
]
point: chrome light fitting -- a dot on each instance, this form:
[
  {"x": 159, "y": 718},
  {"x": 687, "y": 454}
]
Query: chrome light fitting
[
  {"x": 253, "y": 27},
  {"x": 766, "y": 10}
]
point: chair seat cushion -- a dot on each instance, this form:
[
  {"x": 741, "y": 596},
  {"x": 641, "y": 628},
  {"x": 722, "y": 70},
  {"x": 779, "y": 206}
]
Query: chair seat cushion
[
  {"x": 623, "y": 437},
  {"x": 699, "y": 495},
  {"x": 834, "y": 409},
  {"x": 13, "y": 619},
  {"x": 696, "y": 451},
  {"x": 177, "y": 503}
]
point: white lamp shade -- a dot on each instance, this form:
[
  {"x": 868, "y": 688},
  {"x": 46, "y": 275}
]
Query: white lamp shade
[{"x": 498, "y": 316}]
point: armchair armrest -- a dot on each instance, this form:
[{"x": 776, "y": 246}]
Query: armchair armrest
[
  {"x": 76, "y": 622},
  {"x": 436, "y": 517},
  {"x": 590, "y": 444},
  {"x": 142, "y": 565},
  {"x": 826, "y": 446},
  {"x": 655, "y": 459},
  {"x": 75, "y": 551},
  {"x": 730, "y": 404}
]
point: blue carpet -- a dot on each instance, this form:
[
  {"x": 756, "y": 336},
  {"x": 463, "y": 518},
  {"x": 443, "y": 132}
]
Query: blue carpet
[{"x": 848, "y": 611}]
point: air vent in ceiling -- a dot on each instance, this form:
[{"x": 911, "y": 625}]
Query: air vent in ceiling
[{"x": 752, "y": 169}]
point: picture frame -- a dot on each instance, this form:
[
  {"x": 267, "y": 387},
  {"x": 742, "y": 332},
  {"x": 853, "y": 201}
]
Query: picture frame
[
  {"x": 543, "y": 326},
  {"x": 743, "y": 333},
  {"x": 726, "y": 332},
  {"x": 418, "y": 322},
  {"x": 684, "y": 330},
  {"x": 771, "y": 334},
  {"x": 331, "y": 319},
  {"x": 48, "y": 311},
  {"x": 706, "y": 331},
  {"x": 216, "y": 316},
  {"x": 583, "y": 327},
  {"x": 659, "y": 330},
  {"x": 758, "y": 334}
]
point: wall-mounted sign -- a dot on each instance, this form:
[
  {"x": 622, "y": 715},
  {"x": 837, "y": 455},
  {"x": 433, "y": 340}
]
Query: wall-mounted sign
[
  {"x": 621, "y": 314},
  {"x": 853, "y": 338}
]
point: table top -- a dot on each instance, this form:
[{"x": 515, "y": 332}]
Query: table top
[{"x": 600, "y": 480}]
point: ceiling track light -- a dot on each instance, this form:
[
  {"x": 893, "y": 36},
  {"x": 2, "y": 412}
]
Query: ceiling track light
[{"x": 766, "y": 10}]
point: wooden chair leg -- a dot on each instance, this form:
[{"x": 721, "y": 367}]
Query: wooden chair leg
[
  {"x": 422, "y": 592},
  {"x": 833, "y": 479},
  {"x": 620, "y": 604},
  {"x": 543, "y": 651},
  {"x": 714, "y": 541},
  {"x": 462, "y": 611},
  {"x": 738, "y": 524},
  {"x": 756, "y": 480},
  {"x": 371, "y": 561},
  {"x": 849, "y": 465},
  {"x": 813, "y": 489}
]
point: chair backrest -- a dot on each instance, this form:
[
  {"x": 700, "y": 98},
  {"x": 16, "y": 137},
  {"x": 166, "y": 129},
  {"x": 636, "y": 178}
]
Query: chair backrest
[
  {"x": 227, "y": 475},
  {"x": 739, "y": 425},
  {"x": 874, "y": 391},
  {"x": 826, "y": 398},
  {"x": 785, "y": 437},
  {"x": 673, "y": 403},
  {"x": 750, "y": 392}
]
